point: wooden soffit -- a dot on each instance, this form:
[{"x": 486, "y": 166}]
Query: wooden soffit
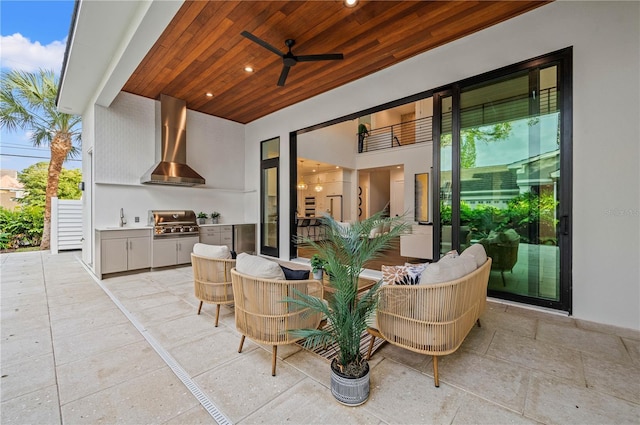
[{"x": 202, "y": 50}]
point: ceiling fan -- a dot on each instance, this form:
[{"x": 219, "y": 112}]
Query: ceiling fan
[{"x": 289, "y": 59}]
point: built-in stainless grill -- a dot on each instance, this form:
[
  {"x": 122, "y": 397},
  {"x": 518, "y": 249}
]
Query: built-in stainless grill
[{"x": 173, "y": 223}]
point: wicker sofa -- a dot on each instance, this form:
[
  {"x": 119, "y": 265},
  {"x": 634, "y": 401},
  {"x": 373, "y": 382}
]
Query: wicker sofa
[{"x": 431, "y": 319}]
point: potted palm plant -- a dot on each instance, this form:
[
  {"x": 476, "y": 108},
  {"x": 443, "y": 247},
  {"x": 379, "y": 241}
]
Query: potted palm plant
[{"x": 346, "y": 250}]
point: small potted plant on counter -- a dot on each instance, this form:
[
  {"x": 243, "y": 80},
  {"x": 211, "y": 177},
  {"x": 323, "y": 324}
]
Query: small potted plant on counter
[
  {"x": 214, "y": 217},
  {"x": 201, "y": 218},
  {"x": 317, "y": 265}
]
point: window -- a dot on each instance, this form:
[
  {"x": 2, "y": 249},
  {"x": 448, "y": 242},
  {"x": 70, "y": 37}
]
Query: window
[{"x": 270, "y": 196}]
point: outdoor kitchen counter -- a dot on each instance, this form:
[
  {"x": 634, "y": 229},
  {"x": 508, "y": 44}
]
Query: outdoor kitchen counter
[
  {"x": 108, "y": 229},
  {"x": 223, "y": 224},
  {"x": 120, "y": 249}
]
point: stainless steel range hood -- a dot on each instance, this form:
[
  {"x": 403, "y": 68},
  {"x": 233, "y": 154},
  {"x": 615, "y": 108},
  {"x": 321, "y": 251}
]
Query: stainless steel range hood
[{"x": 172, "y": 168}]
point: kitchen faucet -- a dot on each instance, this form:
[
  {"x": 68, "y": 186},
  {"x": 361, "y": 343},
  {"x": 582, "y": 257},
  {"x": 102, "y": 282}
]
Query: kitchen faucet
[{"x": 123, "y": 221}]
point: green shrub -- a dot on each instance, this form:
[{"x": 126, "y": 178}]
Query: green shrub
[
  {"x": 21, "y": 227},
  {"x": 531, "y": 215}
]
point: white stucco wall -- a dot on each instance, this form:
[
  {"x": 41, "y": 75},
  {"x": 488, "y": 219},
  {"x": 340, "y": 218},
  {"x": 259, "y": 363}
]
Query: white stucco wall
[
  {"x": 125, "y": 148},
  {"x": 606, "y": 105}
]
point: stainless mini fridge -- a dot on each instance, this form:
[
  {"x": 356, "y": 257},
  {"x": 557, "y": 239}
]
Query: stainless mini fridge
[{"x": 244, "y": 238}]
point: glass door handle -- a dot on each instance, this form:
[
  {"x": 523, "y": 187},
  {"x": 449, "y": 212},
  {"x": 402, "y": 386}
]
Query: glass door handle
[{"x": 564, "y": 225}]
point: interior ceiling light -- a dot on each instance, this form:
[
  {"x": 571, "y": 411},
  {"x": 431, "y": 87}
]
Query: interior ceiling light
[
  {"x": 301, "y": 184},
  {"x": 318, "y": 187},
  {"x": 350, "y": 3},
  {"x": 248, "y": 69},
  {"x": 209, "y": 94}
]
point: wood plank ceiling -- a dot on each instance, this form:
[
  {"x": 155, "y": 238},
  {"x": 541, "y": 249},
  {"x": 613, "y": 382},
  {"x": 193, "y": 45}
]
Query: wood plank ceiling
[{"x": 202, "y": 50}]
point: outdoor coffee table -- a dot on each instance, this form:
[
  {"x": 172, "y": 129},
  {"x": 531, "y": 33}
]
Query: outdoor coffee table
[{"x": 364, "y": 284}]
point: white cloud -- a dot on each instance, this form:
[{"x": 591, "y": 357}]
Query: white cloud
[{"x": 18, "y": 52}]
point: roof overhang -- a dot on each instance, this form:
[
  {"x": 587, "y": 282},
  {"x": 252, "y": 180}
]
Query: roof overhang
[{"x": 107, "y": 42}]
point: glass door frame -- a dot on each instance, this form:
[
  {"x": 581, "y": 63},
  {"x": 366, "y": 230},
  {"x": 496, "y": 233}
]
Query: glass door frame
[
  {"x": 563, "y": 59},
  {"x": 266, "y": 164}
]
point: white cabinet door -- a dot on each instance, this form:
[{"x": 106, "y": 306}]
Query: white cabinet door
[
  {"x": 139, "y": 253},
  {"x": 185, "y": 248},
  {"x": 226, "y": 236},
  {"x": 113, "y": 255},
  {"x": 164, "y": 252}
]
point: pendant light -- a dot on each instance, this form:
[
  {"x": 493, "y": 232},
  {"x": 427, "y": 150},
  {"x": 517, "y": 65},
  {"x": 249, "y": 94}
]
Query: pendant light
[
  {"x": 318, "y": 187},
  {"x": 301, "y": 184}
]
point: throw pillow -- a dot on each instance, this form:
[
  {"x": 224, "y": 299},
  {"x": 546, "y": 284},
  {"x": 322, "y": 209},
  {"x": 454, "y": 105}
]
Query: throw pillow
[
  {"x": 253, "y": 265},
  {"x": 402, "y": 275},
  {"x": 477, "y": 252},
  {"x": 212, "y": 251},
  {"x": 293, "y": 274}
]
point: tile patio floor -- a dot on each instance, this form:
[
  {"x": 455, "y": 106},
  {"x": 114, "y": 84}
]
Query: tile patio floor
[{"x": 71, "y": 356}]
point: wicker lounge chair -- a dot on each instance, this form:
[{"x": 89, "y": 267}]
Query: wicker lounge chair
[
  {"x": 502, "y": 247},
  {"x": 212, "y": 281},
  {"x": 263, "y": 317},
  {"x": 431, "y": 319}
]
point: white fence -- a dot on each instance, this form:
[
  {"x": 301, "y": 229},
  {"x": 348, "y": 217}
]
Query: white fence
[{"x": 66, "y": 225}]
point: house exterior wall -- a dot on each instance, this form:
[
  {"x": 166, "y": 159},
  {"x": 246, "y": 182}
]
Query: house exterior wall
[{"x": 606, "y": 55}]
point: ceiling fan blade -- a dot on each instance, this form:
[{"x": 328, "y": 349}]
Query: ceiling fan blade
[
  {"x": 261, "y": 42},
  {"x": 283, "y": 75},
  {"x": 325, "y": 57}
]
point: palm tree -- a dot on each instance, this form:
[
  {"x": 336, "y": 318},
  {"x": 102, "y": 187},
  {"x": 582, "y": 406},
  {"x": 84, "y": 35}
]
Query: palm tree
[{"x": 28, "y": 102}]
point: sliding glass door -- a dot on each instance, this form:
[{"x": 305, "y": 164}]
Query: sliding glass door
[{"x": 503, "y": 180}]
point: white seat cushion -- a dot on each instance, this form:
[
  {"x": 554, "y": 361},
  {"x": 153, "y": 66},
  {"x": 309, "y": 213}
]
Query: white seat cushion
[
  {"x": 212, "y": 251},
  {"x": 253, "y": 265}
]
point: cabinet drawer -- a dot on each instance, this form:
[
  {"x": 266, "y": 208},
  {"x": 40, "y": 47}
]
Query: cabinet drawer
[{"x": 121, "y": 234}]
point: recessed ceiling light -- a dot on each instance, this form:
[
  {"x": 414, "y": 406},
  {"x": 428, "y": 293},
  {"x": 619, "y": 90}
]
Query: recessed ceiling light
[
  {"x": 209, "y": 94},
  {"x": 248, "y": 69},
  {"x": 350, "y": 3}
]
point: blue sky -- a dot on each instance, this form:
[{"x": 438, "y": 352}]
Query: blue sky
[{"x": 34, "y": 35}]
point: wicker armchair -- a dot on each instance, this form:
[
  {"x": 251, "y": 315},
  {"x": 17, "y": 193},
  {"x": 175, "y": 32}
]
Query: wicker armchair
[
  {"x": 263, "y": 317},
  {"x": 212, "y": 281},
  {"x": 502, "y": 247},
  {"x": 431, "y": 319}
]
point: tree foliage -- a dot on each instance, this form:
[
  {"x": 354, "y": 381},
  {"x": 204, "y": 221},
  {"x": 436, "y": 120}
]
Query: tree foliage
[
  {"x": 34, "y": 179},
  {"x": 469, "y": 137},
  {"x": 28, "y": 103}
]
